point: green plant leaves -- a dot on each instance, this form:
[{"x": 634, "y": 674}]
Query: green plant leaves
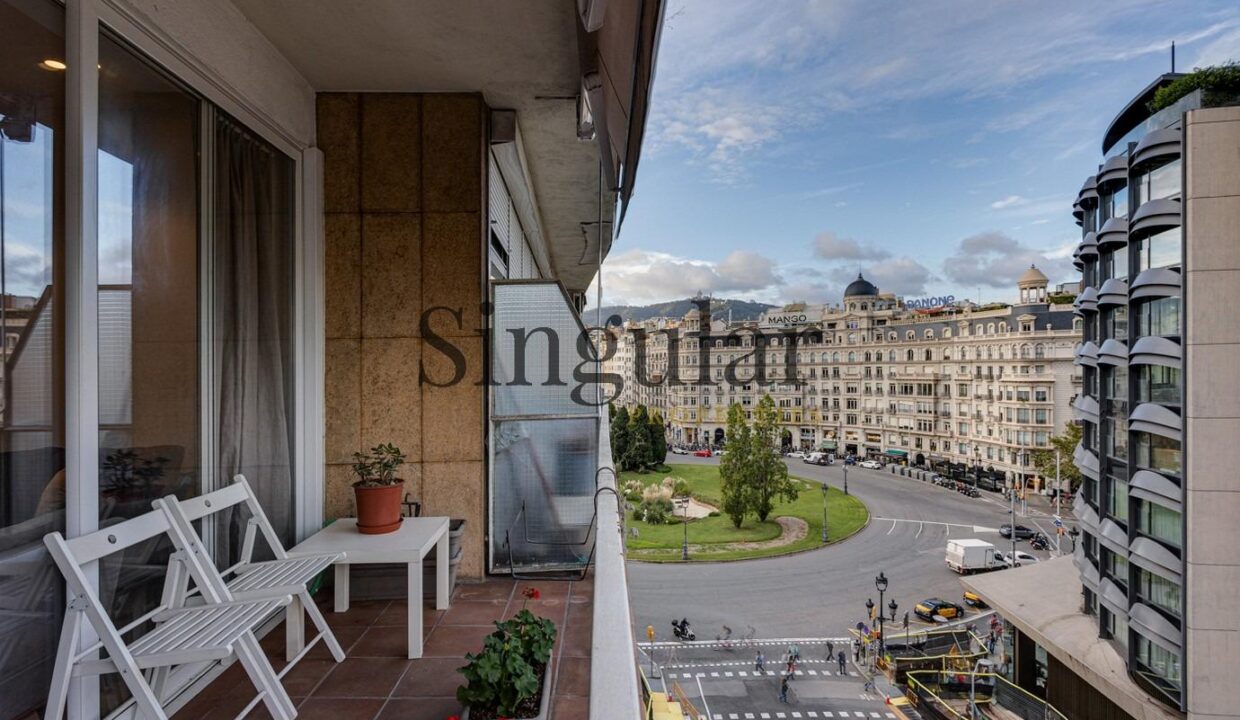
[{"x": 505, "y": 673}]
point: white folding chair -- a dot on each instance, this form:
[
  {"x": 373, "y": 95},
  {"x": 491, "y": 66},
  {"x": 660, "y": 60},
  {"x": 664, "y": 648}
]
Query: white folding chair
[
  {"x": 182, "y": 635},
  {"x": 247, "y": 580}
]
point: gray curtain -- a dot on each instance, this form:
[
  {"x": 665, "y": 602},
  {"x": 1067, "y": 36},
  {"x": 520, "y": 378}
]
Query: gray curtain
[{"x": 253, "y": 322}]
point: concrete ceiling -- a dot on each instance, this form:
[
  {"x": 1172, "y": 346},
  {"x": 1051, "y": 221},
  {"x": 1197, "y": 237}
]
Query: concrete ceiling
[{"x": 521, "y": 54}]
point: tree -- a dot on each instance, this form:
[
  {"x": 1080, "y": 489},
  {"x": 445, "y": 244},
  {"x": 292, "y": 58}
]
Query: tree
[
  {"x": 637, "y": 456},
  {"x": 734, "y": 467},
  {"x": 611, "y": 411},
  {"x": 658, "y": 440},
  {"x": 619, "y": 434},
  {"x": 1044, "y": 460},
  {"x": 769, "y": 479}
]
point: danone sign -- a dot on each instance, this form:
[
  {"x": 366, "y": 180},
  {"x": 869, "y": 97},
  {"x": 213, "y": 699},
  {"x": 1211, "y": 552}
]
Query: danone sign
[{"x": 930, "y": 304}]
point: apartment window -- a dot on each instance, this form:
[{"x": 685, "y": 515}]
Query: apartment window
[
  {"x": 1160, "y": 665},
  {"x": 1160, "y": 592},
  {"x": 1161, "y": 523},
  {"x": 1117, "y": 504},
  {"x": 1159, "y": 384},
  {"x": 1157, "y": 453},
  {"x": 1115, "y": 323},
  {"x": 1159, "y": 317},
  {"x": 1161, "y": 249},
  {"x": 1114, "y": 264},
  {"x": 1156, "y": 183},
  {"x": 1116, "y": 566},
  {"x": 1113, "y": 203}
]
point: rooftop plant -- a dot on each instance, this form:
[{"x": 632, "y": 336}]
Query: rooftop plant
[
  {"x": 378, "y": 467},
  {"x": 1220, "y": 85}
]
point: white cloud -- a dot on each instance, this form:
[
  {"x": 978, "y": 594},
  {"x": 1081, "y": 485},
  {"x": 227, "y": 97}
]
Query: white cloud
[
  {"x": 644, "y": 276},
  {"x": 901, "y": 275},
  {"x": 993, "y": 259},
  {"x": 1007, "y": 202},
  {"x": 830, "y": 246}
]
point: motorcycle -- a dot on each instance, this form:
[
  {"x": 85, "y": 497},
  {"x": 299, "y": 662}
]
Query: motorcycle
[
  {"x": 1039, "y": 542},
  {"x": 682, "y": 631}
]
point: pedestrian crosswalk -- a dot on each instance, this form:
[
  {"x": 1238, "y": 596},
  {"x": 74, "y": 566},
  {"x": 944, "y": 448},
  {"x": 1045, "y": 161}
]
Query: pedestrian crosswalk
[
  {"x": 799, "y": 714},
  {"x": 679, "y": 673}
]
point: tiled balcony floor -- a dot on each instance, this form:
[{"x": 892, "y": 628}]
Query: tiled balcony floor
[{"x": 376, "y": 681}]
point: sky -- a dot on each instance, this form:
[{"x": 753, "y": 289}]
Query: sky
[{"x": 936, "y": 147}]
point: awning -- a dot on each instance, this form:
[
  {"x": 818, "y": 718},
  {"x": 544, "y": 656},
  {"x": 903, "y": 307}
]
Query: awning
[{"x": 898, "y": 453}]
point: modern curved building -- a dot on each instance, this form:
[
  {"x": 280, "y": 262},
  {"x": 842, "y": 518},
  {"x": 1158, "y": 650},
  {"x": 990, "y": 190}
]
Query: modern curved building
[{"x": 1154, "y": 633}]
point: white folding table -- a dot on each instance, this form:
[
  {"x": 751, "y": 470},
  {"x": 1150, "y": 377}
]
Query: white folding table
[{"x": 408, "y": 545}]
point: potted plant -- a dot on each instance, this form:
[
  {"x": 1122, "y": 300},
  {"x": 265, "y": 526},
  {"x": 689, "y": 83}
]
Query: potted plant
[
  {"x": 511, "y": 676},
  {"x": 378, "y": 491}
]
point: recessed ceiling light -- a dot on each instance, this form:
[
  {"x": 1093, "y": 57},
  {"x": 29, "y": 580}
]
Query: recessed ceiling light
[{"x": 51, "y": 64}]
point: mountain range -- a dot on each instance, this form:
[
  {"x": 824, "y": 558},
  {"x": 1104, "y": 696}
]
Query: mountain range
[{"x": 719, "y": 308}]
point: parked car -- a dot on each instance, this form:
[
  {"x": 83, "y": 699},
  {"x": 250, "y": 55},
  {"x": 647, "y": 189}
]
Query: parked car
[
  {"x": 1022, "y": 558},
  {"x": 677, "y": 450},
  {"x": 871, "y": 464},
  {"x": 1022, "y": 532},
  {"x": 972, "y": 599},
  {"x": 929, "y": 608},
  {"x": 701, "y": 453},
  {"x": 796, "y": 454}
]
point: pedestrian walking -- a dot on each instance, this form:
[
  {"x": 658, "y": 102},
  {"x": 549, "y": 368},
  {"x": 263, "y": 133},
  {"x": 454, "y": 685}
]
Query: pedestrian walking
[
  {"x": 759, "y": 663},
  {"x": 783, "y": 690},
  {"x": 791, "y": 668},
  {"x": 856, "y": 650},
  {"x": 843, "y": 665},
  {"x": 830, "y": 649}
]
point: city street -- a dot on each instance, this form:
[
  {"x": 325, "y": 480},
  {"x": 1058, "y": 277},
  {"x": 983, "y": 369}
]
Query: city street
[{"x": 822, "y": 593}]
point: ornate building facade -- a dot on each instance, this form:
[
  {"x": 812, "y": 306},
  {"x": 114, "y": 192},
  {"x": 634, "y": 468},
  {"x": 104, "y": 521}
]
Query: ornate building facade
[{"x": 942, "y": 384}]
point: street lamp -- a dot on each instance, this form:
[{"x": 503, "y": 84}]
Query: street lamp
[
  {"x": 977, "y": 465},
  {"x": 824, "y": 512},
  {"x": 880, "y": 583},
  {"x": 845, "y": 479}
]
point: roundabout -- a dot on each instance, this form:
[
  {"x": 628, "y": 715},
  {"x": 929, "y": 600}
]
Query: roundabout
[{"x": 792, "y": 526}]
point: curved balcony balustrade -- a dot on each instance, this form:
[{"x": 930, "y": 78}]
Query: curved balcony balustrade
[
  {"x": 1154, "y": 487},
  {"x": 1113, "y": 537},
  {"x": 1113, "y": 597},
  {"x": 1149, "y": 554},
  {"x": 1158, "y": 146},
  {"x": 1154, "y": 216},
  {"x": 1087, "y": 301},
  {"x": 1086, "y": 461},
  {"x": 1088, "y": 248},
  {"x": 1088, "y": 195},
  {"x": 1155, "y": 283},
  {"x": 1086, "y": 408},
  {"x": 1089, "y": 573},
  {"x": 1154, "y": 350},
  {"x": 1087, "y": 354},
  {"x": 1114, "y": 170},
  {"x": 1156, "y": 419},
  {"x": 1114, "y": 353},
  {"x": 1153, "y": 625},
  {"x": 1113, "y": 234},
  {"x": 1113, "y": 293},
  {"x": 1086, "y": 516}
]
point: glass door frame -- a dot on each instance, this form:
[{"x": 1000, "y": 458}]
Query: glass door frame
[{"x": 84, "y": 21}]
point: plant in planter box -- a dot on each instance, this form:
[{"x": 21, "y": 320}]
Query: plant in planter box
[
  {"x": 506, "y": 678},
  {"x": 378, "y": 491}
]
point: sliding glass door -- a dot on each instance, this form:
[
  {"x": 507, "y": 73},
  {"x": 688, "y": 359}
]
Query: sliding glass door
[
  {"x": 32, "y": 422},
  {"x": 195, "y": 326}
]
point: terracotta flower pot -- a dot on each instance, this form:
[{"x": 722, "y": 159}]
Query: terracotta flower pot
[{"x": 378, "y": 508}]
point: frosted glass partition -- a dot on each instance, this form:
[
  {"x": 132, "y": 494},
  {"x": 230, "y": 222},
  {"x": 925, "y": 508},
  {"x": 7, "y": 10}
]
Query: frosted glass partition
[{"x": 544, "y": 432}]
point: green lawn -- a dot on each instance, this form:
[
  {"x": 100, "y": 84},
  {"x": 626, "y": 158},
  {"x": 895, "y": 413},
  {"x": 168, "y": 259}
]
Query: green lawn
[{"x": 662, "y": 543}]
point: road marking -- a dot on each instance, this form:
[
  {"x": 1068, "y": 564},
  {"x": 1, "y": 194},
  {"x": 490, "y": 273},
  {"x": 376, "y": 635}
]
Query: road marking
[
  {"x": 893, "y": 527},
  {"x": 948, "y": 525},
  {"x": 920, "y": 526},
  {"x": 702, "y": 694}
]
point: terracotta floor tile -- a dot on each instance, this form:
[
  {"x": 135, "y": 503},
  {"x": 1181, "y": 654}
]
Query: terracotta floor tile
[
  {"x": 305, "y": 675},
  {"x": 431, "y": 677},
  {"x": 382, "y": 641},
  {"x": 472, "y": 612},
  {"x": 573, "y": 677},
  {"x": 360, "y": 612},
  {"x": 575, "y": 641},
  {"x": 570, "y": 708},
  {"x": 455, "y": 640},
  {"x": 433, "y": 708},
  {"x": 339, "y": 708},
  {"x": 489, "y": 590},
  {"x": 362, "y": 678}
]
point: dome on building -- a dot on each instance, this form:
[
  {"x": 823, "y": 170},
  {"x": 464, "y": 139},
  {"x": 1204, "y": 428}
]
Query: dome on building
[
  {"x": 1032, "y": 276},
  {"x": 860, "y": 287}
]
